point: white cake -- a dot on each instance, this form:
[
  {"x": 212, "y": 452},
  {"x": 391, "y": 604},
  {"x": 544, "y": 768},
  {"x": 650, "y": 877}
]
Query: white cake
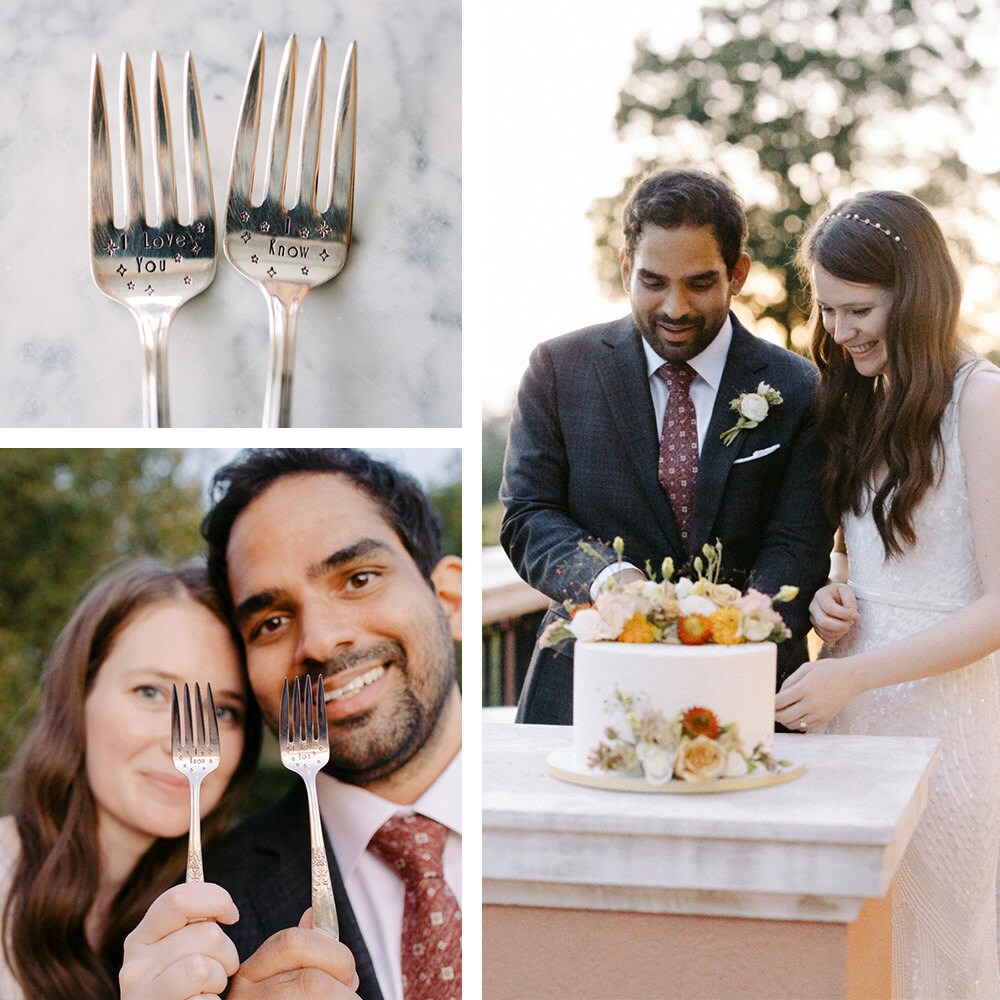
[{"x": 736, "y": 683}]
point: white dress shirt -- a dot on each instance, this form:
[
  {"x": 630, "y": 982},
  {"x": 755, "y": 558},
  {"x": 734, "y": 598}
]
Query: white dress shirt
[
  {"x": 708, "y": 367},
  {"x": 351, "y": 816}
]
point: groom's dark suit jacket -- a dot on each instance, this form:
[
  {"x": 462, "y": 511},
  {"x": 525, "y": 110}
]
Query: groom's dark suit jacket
[
  {"x": 264, "y": 863},
  {"x": 581, "y": 464}
]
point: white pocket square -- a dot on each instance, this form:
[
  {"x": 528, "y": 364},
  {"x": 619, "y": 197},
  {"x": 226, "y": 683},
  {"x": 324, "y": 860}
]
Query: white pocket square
[{"x": 760, "y": 453}]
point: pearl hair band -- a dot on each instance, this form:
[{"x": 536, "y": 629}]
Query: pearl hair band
[{"x": 868, "y": 222}]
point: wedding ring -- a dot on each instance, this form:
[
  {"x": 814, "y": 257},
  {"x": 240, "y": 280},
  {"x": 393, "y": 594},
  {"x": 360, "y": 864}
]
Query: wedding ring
[{"x": 802, "y": 723}]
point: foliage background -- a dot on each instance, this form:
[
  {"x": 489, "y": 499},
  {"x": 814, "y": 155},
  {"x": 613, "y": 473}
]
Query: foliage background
[{"x": 67, "y": 515}]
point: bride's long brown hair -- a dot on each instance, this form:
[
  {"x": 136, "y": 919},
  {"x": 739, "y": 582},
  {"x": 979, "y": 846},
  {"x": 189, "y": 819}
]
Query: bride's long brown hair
[
  {"x": 58, "y": 872},
  {"x": 886, "y": 430}
]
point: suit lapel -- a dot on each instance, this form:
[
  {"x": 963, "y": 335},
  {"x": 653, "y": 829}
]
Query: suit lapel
[
  {"x": 285, "y": 880},
  {"x": 621, "y": 373},
  {"x": 742, "y": 373}
]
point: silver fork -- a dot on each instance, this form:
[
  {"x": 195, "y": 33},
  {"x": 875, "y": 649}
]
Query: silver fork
[
  {"x": 305, "y": 748},
  {"x": 195, "y": 757},
  {"x": 287, "y": 248},
  {"x": 152, "y": 263}
]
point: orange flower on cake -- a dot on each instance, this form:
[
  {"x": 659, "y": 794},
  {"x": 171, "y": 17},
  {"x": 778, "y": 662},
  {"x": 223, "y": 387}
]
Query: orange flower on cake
[
  {"x": 700, "y": 722},
  {"x": 638, "y": 629},
  {"x": 726, "y": 627},
  {"x": 694, "y": 629}
]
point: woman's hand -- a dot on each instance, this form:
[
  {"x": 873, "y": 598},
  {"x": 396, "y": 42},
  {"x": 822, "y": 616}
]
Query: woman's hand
[
  {"x": 833, "y": 611},
  {"x": 816, "y": 692},
  {"x": 179, "y": 951}
]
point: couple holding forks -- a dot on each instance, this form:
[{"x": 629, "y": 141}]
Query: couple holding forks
[
  {"x": 320, "y": 562},
  {"x": 674, "y": 427}
]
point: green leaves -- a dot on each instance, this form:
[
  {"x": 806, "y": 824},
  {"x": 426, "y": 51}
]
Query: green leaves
[{"x": 65, "y": 516}]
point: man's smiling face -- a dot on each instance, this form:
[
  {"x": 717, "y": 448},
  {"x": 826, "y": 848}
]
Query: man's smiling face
[
  {"x": 680, "y": 288},
  {"x": 321, "y": 583}
]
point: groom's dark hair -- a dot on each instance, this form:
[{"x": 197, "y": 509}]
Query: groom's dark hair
[
  {"x": 672, "y": 198},
  {"x": 402, "y": 502}
]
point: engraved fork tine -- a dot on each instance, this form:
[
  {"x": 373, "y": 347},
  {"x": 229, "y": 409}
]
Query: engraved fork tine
[
  {"x": 287, "y": 248},
  {"x": 305, "y": 748},
  {"x": 195, "y": 757},
  {"x": 151, "y": 264}
]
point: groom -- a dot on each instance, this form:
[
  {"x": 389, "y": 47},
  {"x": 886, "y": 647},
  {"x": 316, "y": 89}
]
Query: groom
[
  {"x": 330, "y": 564},
  {"x": 618, "y": 430}
]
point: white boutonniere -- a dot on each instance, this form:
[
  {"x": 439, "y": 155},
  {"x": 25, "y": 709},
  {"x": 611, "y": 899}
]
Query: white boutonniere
[{"x": 753, "y": 408}]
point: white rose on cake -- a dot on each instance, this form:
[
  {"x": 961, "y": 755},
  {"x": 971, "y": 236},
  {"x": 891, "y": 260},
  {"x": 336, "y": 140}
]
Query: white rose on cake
[
  {"x": 657, "y": 762},
  {"x": 588, "y": 626}
]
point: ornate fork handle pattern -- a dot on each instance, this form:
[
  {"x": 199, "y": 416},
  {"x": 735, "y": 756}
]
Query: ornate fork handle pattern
[{"x": 324, "y": 909}]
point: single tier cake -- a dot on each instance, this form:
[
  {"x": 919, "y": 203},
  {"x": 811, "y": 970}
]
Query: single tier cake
[{"x": 735, "y": 683}]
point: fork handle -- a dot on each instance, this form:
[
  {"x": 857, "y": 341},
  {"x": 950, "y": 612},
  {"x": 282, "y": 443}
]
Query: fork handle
[
  {"x": 324, "y": 915},
  {"x": 195, "y": 871},
  {"x": 284, "y": 320},
  {"x": 155, "y": 405}
]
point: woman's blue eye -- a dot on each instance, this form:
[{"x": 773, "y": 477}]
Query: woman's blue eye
[{"x": 228, "y": 715}]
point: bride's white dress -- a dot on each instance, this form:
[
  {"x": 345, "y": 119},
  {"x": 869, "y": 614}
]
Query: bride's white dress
[{"x": 944, "y": 896}]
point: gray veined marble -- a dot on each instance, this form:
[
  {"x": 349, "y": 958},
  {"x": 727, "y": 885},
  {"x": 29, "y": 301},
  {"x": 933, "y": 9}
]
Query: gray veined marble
[{"x": 380, "y": 346}]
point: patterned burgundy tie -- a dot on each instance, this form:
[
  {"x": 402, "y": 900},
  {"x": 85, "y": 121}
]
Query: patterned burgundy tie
[
  {"x": 432, "y": 920},
  {"x": 679, "y": 445}
]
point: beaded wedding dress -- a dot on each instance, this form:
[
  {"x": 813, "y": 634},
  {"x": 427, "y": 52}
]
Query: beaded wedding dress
[{"x": 944, "y": 895}]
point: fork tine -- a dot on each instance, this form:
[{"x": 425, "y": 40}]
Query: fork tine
[
  {"x": 188, "y": 724},
  {"x": 241, "y": 172},
  {"x": 340, "y": 212},
  {"x": 281, "y": 125},
  {"x": 175, "y": 720},
  {"x": 312, "y": 122},
  {"x": 131, "y": 151},
  {"x": 324, "y": 734},
  {"x": 101, "y": 195},
  {"x": 310, "y": 719},
  {"x": 201, "y": 198},
  {"x": 297, "y": 730},
  {"x": 213, "y": 723},
  {"x": 163, "y": 151},
  {"x": 199, "y": 747},
  {"x": 284, "y": 735}
]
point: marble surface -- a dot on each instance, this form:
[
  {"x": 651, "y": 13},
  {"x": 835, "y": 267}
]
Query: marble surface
[
  {"x": 811, "y": 849},
  {"x": 379, "y": 346}
]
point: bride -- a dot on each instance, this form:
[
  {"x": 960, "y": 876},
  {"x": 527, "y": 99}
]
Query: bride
[{"x": 913, "y": 476}]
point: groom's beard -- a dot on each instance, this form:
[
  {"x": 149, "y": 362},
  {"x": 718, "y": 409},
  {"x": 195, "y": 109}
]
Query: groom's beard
[{"x": 678, "y": 338}]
